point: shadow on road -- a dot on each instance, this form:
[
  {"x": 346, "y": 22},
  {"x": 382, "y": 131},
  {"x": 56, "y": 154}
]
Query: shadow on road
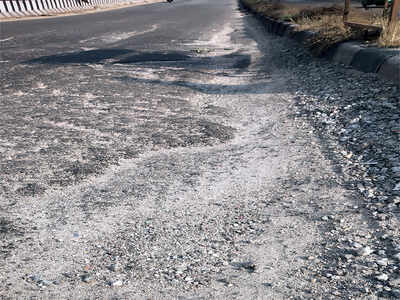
[
  {"x": 81, "y": 57},
  {"x": 187, "y": 61},
  {"x": 129, "y": 56}
]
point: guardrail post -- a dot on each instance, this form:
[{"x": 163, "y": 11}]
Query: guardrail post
[
  {"x": 346, "y": 10},
  {"x": 394, "y": 11},
  {"x": 393, "y": 16}
]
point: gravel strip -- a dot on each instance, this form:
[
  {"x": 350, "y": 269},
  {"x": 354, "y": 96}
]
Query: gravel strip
[{"x": 356, "y": 118}]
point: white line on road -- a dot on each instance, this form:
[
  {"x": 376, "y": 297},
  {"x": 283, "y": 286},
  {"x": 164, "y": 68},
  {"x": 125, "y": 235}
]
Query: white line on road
[
  {"x": 7, "y": 39},
  {"x": 116, "y": 37}
]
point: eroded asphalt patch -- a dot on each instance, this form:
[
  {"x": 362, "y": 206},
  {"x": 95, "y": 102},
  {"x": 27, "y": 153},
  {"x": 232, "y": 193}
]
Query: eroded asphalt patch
[{"x": 235, "y": 166}]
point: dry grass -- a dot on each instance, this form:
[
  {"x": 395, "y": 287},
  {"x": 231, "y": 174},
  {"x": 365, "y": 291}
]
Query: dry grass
[
  {"x": 390, "y": 37},
  {"x": 328, "y": 22},
  {"x": 331, "y": 30},
  {"x": 274, "y": 9}
]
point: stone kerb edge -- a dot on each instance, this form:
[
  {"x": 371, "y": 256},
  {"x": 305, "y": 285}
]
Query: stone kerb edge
[{"x": 390, "y": 69}]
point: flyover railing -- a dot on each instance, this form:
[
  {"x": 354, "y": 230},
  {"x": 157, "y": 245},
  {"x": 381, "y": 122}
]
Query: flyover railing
[{"x": 23, "y": 8}]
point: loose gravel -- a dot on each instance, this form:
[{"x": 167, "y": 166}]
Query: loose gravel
[
  {"x": 246, "y": 171},
  {"x": 356, "y": 117}
]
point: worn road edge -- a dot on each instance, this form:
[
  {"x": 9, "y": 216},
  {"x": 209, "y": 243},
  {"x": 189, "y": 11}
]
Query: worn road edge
[{"x": 384, "y": 62}]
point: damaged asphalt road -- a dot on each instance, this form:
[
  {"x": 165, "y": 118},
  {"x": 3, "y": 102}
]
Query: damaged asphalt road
[{"x": 179, "y": 151}]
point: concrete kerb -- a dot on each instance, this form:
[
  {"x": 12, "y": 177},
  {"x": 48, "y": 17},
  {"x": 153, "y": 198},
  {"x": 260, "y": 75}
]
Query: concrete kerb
[
  {"x": 384, "y": 62},
  {"x": 32, "y": 9},
  {"x": 291, "y": 30},
  {"x": 280, "y": 29},
  {"x": 303, "y": 37},
  {"x": 284, "y": 28},
  {"x": 390, "y": 68},
  {"x": 370, "y": 60},
  {"x": 11, "y": 8},
  {"x": 3, "y": 10},
  {"x": 345, "y": 52}
]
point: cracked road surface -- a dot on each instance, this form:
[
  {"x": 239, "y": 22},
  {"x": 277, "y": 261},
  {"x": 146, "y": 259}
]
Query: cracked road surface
[{"x": 157, "y": 152}]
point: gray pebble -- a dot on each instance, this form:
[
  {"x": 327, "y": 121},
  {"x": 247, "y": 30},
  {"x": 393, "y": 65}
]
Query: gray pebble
[
  {"x": 382, "y": 261},
  {"x": 114, "y": 267},
  {"x": 382, "y": 277},
  {"x": 86, "y": 278},
  {"x": 395, "y": 293},
  {"x": 116, "y": 283},
  {"x": 188, "y": 279},
  {"x": 365, "y": 251},
  {"x": 395, "y": 282}
]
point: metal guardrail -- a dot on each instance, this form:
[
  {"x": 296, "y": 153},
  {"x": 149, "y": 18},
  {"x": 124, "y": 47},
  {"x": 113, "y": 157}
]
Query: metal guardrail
[{"x": 26, "y": 8}]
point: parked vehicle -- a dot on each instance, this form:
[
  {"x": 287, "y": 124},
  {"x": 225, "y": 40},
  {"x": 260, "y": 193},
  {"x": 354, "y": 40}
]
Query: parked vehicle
[{"x": 366, "y": 3}]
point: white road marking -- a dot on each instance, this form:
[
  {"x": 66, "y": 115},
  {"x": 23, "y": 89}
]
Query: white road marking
[
  {"x": 116, "y": 37},
  {"x": 7, "y": 39},
  {"x": 88, "y": 49}
]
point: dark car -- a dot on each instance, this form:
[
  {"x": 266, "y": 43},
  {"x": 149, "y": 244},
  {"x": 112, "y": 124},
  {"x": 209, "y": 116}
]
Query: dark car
[{"x": 366, "y": 3}]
